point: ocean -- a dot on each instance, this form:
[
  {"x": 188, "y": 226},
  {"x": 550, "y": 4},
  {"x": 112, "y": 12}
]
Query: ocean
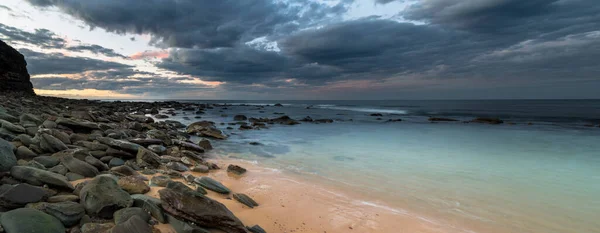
[{"x": 537, "y": 172}]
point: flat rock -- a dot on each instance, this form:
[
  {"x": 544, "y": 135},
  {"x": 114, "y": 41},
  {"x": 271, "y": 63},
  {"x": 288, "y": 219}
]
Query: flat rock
[
  {"x": 115, "y": 162},
  {"x": 96, "y": 163},
  {"x": 63, "y": 198},
  {"x": 69, "y": 213},
  {"x": 51, "y": 144},
  {"x": 212, "y": 184},
  {"x": 177, "y": 166},
  {"x": 125, "y": 214},
  {"x": 181, "y": 187},
  {"x": 78, "y": 126},
  {"x": 47, "y": 161},
  {"x": 160, "y": 181},
  {"x": 20, "y": 195},
  {"x": 135, "y": 224},
  {"x": 120, "y": 144},
  {"x": 184, "y": 227},
  {"x": 27, "y": 220},
  {"x": 102, "y": 196},
  {"x": 39, "y": 177},
  {"x": 200, "y": 210},
  {"x": 77, "y": 166}
]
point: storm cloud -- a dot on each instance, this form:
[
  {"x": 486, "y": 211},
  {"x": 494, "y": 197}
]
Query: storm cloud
[{"x": 57, "y": 63}]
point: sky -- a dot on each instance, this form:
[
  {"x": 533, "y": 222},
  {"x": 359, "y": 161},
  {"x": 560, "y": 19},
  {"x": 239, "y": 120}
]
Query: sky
[{"x": 308, "y": 49}]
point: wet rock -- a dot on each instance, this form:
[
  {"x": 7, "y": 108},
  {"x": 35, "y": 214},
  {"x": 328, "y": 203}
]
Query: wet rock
[
  {"x": 245, "y": 127},
  {"x": 245, "y": 199},
  {"x": 284, "y": 120},
  {"x": 77, "y": 166},
  {"x": 7, "y": 156},
  {"x": 102, "y": 196},
  {"x": 51, "y": 144},
  {"x": 161, "y": 116},
  {"x": 19, "y": 195},
  {"x": 39, "y": 177},
  {"x": 27, "y": 220},
  {"x": 191, "y": 146},
  {"x": 125, "y": 214},
  {"x": 376, "y": 115},
  {"x": 47, "y": 161},
  {"x": 485, "y": 120},
  {"x": 200, "y": 168},
  {"x": 177, "y": 166},
  {"x": 78, "y": 126},
  {"x": 181, "y": 187},
  {"x": 436, "y": 119},
  {"x": 213, "y": 185},
  {"x": 205, "y": 129},
  {"x": 235, "y": 169},
  {"x": 160, "y": 181},
  {"x": 201, "y": 210},
  {"x": 69, "y": 213},
  {"x": 256, "y": 229},
  {"x": 133, "y": 185},
  {"x": 240, "y": 118},
  {"x": 205, "y": 143}
]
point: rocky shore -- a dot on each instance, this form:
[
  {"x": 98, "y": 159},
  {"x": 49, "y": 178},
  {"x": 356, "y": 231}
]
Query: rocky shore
[{"x": 84, "y": 166}]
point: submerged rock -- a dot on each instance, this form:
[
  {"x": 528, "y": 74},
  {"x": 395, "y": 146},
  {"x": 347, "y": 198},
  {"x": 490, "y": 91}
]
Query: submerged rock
[
  {"x": 235, "y": 169},
  {"x": 200, "y": 210},
  {"x": 485, "y": 120}
]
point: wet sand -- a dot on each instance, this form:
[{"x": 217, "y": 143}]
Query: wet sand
[{"x": 288, "y": 205}]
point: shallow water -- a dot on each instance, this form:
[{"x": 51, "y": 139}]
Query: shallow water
[{"x": 468, "y": 177}]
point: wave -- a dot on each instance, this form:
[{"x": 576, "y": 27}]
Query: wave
[{"x": 362, "y": 109}]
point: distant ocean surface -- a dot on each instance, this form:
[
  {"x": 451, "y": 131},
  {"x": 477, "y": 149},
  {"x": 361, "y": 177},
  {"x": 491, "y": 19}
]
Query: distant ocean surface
[{"x": 540, "y": 174}]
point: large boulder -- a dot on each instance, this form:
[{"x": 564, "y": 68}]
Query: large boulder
[
  {"x": 205, "y": 129},
  {"x": 28, "y": 220},
  {"x": 40, "y": 177},
  {"x": 13, "y": 71},
  {"x": 102, "y": 197},
  {"x": 200, "y": 210},
  {"x": 7, "y": 156}
]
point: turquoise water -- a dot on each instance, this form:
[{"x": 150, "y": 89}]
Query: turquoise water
[{"x": 466, "y": 177}]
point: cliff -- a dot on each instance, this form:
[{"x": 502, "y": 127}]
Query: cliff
[{"x": 13, "y": 71}]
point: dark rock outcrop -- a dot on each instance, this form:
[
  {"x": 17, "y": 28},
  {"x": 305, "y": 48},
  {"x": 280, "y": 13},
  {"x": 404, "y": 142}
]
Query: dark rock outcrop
[{"x": 13, "y": 71}]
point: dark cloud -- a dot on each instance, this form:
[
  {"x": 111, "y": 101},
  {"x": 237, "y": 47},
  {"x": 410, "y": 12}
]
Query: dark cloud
[
  {"x": 56, "y": 63},
  {"x": 202, "y": 23},
  {"x": 41, "y": 37},
  {"x": 97, "y": 49}
]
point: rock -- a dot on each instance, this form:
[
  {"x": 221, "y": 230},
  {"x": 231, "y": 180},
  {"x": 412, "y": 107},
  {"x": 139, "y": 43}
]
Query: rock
[
  {"x": 205, "y": 143},
  {"x": 189, "y": 178},
  {"x": 184, "y": 227},
  {"x": 191, "y": 146},
  {"x": 19, "y": 195},
  {"x": 484, "y": 120},
  {"x": 51, "y": 144},
  {"x": 39, "y": 177},
  {"x": 245, "y": 127},
  {"x": 34, "y": 164},
  {"x": 124, "y": 171},
  {"x": 63, "y": 198},
  {"x": 25, "y": 139},
  {"x": 200, "y": 168},
  {"x": 25, "y": 153},
  {"x": 278, "y": 105},
  {"x": 119, "y": 153},
  {"x": 79, "y": 126},
  {"x": 120, "y": 144},
  {"x": 12, "y": 127},
  {"x": 59, "y": 169},
  {"x": 206, "y": 129},
  {"x": 13, "y": 71},
  {"x": 74, "y": 176},
  {"x": 284, "y": 120},
  {"x": 435, "y": 119},
  {"x": 7, "y": 156},
  {"x": 77, "y": 166},
  {"x": 213, "y": 185},
  {"x": 146, "y": 141},
  {"x": 240, "y": 118},
  {"x": 245, "y": 199},
  {"x": 147, "y": 158},
  {"x": 125, "y": 214},
  {"x": 158, "y": 149},
  {"x": 161, "y": 116},
  {"x": 27, "y": 220},
  {"x": 135, "y": 224},
  {"x": 150, "y": 205},
  {"x": 235, "y": 169},
  {"x": 157, "y": 134},
  {"x": 177, "y": 166},
  {"x": 102, "y": 196},
  {"x": 94, "y": 146},
  {"x": 96, "y": 227},
  {"x": 29, "y": 120},
  {"x": 115, "y": 162},
  {"x": 181, "y": 187},
  {"x": 133, "y": 185},
  {"x": 96, "y": 163},
  {"x": 47, "y": 161},
  {"x": 256, "y": 229},
  {"x": 200, "y": 210},
  {"x": 69, "y": 213},
  {"x": 160, "y": 181}
]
